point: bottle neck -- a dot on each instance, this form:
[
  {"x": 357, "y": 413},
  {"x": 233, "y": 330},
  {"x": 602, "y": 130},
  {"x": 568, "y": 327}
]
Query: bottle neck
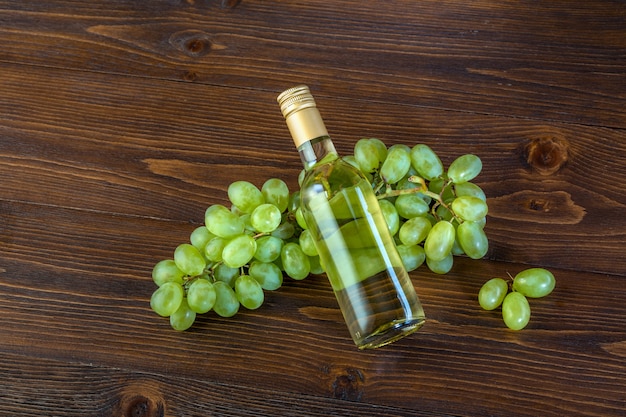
[{"x": 317, "y": 150}]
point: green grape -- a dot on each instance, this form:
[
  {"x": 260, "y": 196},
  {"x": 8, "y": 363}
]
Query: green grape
[
  {"x": 226, "y": 302},
  {"x": 350, "y": 159},
  {"x": 412, "y": 256},
  {"x": 267, "y": 274},
  {"x": 397, "y": 164},
  {"x": 469, "y": 208},
  {"x": 492, "y": 293},
  {"x": 381, "y": 148},
  {"x": 201, "y": 296},
  {"x": 300, "y": 218},
  {"x": 294, "y": 201},
  {"x": 411, "y": 205},
  {"x": 285, "y": 231},
  {"x": 307, "y": 243},
  {"x": 213, "y": 249},
  {"x": 295, "y": 263},
  {"x": 189, "y": 260},
  {"x": 442, "y": 266},
  {"x": 265, "y": 218},
  {"x": 534, "y": 282},
  {"x": 183, "y": 318},
  {"x": 200, "y": 237},
  {"x": 268, "y": 248},
  {"x": 464, "y": 168},
  {"x": 167, "y": 298},
  {"x": 222, "y": 222},
  {"x": 391, "y": 216},
  {"x": 426, "y": 162},
  {"x": 239, "y": 251},
  {"x": 245, "y": 196},
  {"x": 472, "y": 239},
  {"x": 367, "y": 155},
  {"x": 515, "y": 311},
  {"x": 439, "y": 242},
  {"x": 414, "y": 231},
  {"x": 316, "y": 265},
  {"x": 249, "y": 292},
  {"x": 167, "y": 271},
  {"x": 469, "y": 189},
  {"x": 275, "y": 191},
  {"x": 225, "y": 273}
]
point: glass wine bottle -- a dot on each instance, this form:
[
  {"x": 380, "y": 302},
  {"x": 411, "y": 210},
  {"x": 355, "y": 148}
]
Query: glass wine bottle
[{"x": 357, "y": 251}]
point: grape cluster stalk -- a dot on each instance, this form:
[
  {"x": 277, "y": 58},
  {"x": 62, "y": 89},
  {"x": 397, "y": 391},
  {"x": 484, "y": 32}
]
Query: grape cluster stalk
[{"x": 246, "y": 249}]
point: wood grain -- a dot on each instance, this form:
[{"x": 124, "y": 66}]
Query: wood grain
[{"x": 121, "y": 121}]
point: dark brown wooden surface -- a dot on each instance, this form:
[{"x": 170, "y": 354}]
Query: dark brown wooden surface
[{"x": 121, "y": 121}]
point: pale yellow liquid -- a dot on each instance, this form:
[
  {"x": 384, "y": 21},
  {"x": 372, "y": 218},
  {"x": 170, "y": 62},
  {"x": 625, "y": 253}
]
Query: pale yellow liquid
[{"x": 376, "y": 295}]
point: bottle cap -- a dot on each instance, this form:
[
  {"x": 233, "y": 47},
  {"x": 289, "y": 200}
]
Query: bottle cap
[{"x": 301, "y": 114}]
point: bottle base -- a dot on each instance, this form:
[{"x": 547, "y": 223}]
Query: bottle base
[{"x": 389, "y": 333}]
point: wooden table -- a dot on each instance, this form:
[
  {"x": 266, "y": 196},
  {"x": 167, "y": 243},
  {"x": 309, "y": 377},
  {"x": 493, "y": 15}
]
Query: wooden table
[{"x": 121, "y": 121}]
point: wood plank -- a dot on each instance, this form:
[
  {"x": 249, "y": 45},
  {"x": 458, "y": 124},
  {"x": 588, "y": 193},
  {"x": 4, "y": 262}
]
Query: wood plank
[
  {"x": 78, "y": 294},
  {"x": 78, "y": 389},
  {"x": 524, "y": 59},
  {"x": 169, "y": 150}
]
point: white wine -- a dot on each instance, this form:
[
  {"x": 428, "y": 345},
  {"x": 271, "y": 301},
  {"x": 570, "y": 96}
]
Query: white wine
[{"x": 373, "y": 289}]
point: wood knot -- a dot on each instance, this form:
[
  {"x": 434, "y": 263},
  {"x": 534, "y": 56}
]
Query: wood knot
[
  {"x": 140, "y": 400},
  {"x": 230, "y": 4},
  {"x": 194, "y": 43},
  {"x": 548, "y": 154},
  {"x": 349, "y": 385}
]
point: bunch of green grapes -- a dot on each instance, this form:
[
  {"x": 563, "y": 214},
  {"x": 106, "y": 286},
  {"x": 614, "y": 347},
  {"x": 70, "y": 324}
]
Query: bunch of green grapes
[
  {"x": 529, "y": 283},
  {"x": 238, "y": 253},
  {"x": 246, "y": 249},
  {"x": 433, "y": 213}
]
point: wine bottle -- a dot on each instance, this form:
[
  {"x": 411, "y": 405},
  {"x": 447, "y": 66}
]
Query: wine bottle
[{"x": 372, "y": 287}]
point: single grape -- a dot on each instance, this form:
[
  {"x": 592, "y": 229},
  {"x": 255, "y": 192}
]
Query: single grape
[
  {"x": 439, "y": 241},
  {"x": 200, "y": 237},
  {"x": 411, "y": 205},
  {"x": 167, "y": 298},
  {"x": 183, "y": 318},
  {"x": 534, "y": 282},
  {"x": 285, "y": 231},
  {"x": 300, "y": 218},
  {"x": 222, "y": 222},
  {"x": 249, "y": 292},
  {"x": 397, "y": 164},
  {"x": 226, "y": 302},
  {"x": 245, "y": 196},
  {"x": 307, "y": 243},
  {"x": 239, "y": 251},
  {"x": 414, "y": 231},
  {"x": 201, "y": 296},
  {"x": 213, "y": 249},
  {"x": 470, "y": 189},
  {"x": 442, "y": 266},
  {"x": 189, "y": 260},
  {"x": 295, "y": 263},
  {"x": 464, "y": 168},
  {"x": 225, "y": 273},
  {"x": 515, "y": 311},
  {"x": 316, "y": 265},
  {"x": 367, "y": 155},
  {"x": 391, "y": 216},
  {"x": 426, "y": 162},
  {"x": 275, "y": 191},
  {"x": 412, "y": 256},
  {"x": 492, "y": 293},
  {"x": 380, "y": 147},
  {"x": 472, "y": 239},
  {"x": 265, "y": 218},
  {"x": 469, "y": 208},
  {"x": 267, "y": 274},
  {"x": 167, "y": 271}
]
